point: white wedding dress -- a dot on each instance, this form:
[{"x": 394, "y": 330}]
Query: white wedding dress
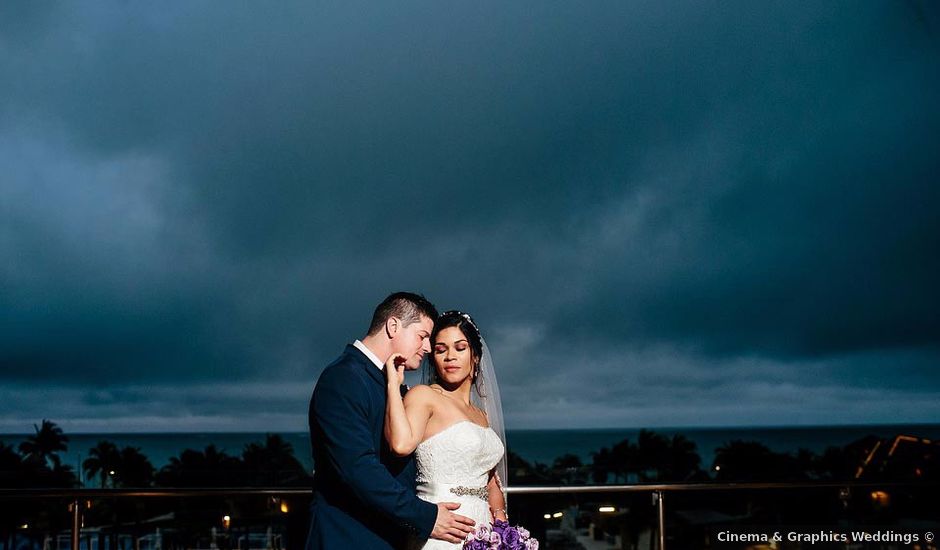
[{"x": 454, "y": 466}]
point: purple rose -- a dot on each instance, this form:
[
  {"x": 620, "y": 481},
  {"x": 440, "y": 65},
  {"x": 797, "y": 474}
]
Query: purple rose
[
  {"x": 511, "y": 537},
  {"x": 475, "y": 544},
  {"x": 500, "y": 526}
]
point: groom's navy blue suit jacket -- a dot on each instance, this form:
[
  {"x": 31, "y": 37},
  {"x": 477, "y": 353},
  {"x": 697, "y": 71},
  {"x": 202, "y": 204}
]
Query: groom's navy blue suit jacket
[{"x": 364, "y": 496}]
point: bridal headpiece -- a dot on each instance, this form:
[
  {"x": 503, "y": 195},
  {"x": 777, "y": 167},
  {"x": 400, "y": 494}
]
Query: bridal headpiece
[{"x": 468, "y": 318}]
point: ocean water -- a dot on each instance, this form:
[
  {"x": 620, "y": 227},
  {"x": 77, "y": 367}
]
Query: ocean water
[
  {"x": 545, "y": 445},
  {"x": 532, "y": 445}
]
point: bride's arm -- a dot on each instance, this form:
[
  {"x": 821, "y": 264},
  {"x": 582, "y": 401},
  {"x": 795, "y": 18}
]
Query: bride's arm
[
  {"x": 496, "y": 497},
  {"x": 405, "y": 420}
]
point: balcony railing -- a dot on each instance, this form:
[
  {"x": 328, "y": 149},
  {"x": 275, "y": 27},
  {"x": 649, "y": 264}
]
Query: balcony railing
[{"x": 78, "y": 499}]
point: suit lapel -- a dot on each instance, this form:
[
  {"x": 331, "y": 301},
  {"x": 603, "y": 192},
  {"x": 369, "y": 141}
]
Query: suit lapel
[
  {"x": 366, "y": 363},
  {"x": 374, "y": 373}
]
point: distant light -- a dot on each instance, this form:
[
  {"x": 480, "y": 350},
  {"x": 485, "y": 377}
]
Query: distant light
[
  {"x": 284, "y": 506},
  {"x": 606, "y": 509},
  {"x": 557, "y": 515},
  {"x": 226, "y": 521},
  {"x": 880, "y": 497},
  {"x": 111, "y": 472},
  {"x": 24, "y": 526},
  {"x": 717, "y": 468},
  {"x": 547, "y": 516}
]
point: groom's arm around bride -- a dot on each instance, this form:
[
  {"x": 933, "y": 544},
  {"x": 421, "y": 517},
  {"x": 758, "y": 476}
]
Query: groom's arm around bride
[{"x": 363, "y": 495}]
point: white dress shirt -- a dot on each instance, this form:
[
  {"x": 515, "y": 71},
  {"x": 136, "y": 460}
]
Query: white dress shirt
[{"x": 368, "y": 353}]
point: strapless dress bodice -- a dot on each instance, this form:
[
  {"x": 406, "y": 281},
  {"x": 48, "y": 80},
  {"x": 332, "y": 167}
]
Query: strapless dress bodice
[{"x": 454, "y": 466}]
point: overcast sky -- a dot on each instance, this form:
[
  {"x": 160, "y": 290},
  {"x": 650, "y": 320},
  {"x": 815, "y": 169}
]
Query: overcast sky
[{"x": 660, "y": 213}]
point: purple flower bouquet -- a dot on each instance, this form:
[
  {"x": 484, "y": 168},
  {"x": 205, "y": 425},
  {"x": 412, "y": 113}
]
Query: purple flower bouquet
[{"x": 500, "y": 536}]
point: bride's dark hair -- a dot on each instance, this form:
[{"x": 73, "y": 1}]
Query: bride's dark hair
[{"x": 464, "y": 322}]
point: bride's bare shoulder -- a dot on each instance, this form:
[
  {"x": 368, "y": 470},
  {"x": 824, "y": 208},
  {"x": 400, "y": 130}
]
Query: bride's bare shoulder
[
  {"x": 482, "y": 414},
  {"x": 422, "y": 394}
]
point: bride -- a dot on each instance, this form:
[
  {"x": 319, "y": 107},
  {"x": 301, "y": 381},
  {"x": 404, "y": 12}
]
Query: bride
[{"x": 453, "y": 424}]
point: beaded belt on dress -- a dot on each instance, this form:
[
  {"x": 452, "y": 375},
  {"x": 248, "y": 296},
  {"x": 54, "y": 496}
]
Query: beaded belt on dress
[{"x": 463, "y": 491}]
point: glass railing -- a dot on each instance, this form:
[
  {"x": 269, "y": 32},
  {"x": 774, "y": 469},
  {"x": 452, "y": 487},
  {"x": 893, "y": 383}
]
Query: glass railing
[{"x": 597, "y": 517}]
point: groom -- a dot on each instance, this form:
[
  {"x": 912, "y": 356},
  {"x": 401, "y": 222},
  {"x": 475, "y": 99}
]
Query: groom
[{"x": 363, "y": 495}]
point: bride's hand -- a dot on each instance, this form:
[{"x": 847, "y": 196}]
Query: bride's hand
[{"x": 395, "y": 370}]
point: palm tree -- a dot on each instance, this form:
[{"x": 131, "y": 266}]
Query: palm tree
[
  {"x": 12, "y": 476},
  {"x": 683, "y": 462},
  {"x": 520, "y": 471},
  {"x": 216, "y": 458},
  {"x": 623, "y": 460},
  {"x": 273, "y": 463},
  {"x": 837, "y": 463},
  {"x": 62, "y": 475},
  {"x": 43, "y": 447},
  {"x": 601, "y": 465},
  {"x": 211, "y": 468},
  {"x": 569, "y": 469},
  {"x": 103, "y": 459},
  {"x": 751, "y": 460},
  {"x": 739, "y": 460},
  {"x": 11, "y": 466},
  {"x": 134, "y": 469},
  {"x": 652, "y": 453}
]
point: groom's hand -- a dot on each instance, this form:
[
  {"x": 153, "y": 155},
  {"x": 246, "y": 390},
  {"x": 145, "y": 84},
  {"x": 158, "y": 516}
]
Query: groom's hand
[{"x": 450, "y": 526}]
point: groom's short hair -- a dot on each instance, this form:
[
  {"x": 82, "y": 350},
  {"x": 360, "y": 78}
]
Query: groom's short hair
[{"x": 407, "y": 306}]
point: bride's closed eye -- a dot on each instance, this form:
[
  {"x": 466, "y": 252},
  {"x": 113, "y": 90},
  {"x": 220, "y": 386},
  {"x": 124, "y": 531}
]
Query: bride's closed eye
[{"x": 443, "y": 349}]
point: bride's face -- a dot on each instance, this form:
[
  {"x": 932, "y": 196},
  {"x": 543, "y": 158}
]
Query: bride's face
[{"x": 452, "y": 356}]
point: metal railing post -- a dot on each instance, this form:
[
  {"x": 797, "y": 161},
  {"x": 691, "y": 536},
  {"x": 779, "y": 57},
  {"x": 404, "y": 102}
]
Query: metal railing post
[
  {"x": 661, "y": 513},
  {"x": 76, "y": 523}
]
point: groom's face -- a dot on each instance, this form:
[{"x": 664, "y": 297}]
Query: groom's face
[{"x": 413, "y": 342}]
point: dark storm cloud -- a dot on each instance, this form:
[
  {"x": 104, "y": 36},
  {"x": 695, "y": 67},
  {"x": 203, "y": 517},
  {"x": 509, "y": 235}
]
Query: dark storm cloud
[
  {"x": 797, "y": 217},
  {"x": 161, "y": 408},
  {"x": 741, "y": 191}
]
